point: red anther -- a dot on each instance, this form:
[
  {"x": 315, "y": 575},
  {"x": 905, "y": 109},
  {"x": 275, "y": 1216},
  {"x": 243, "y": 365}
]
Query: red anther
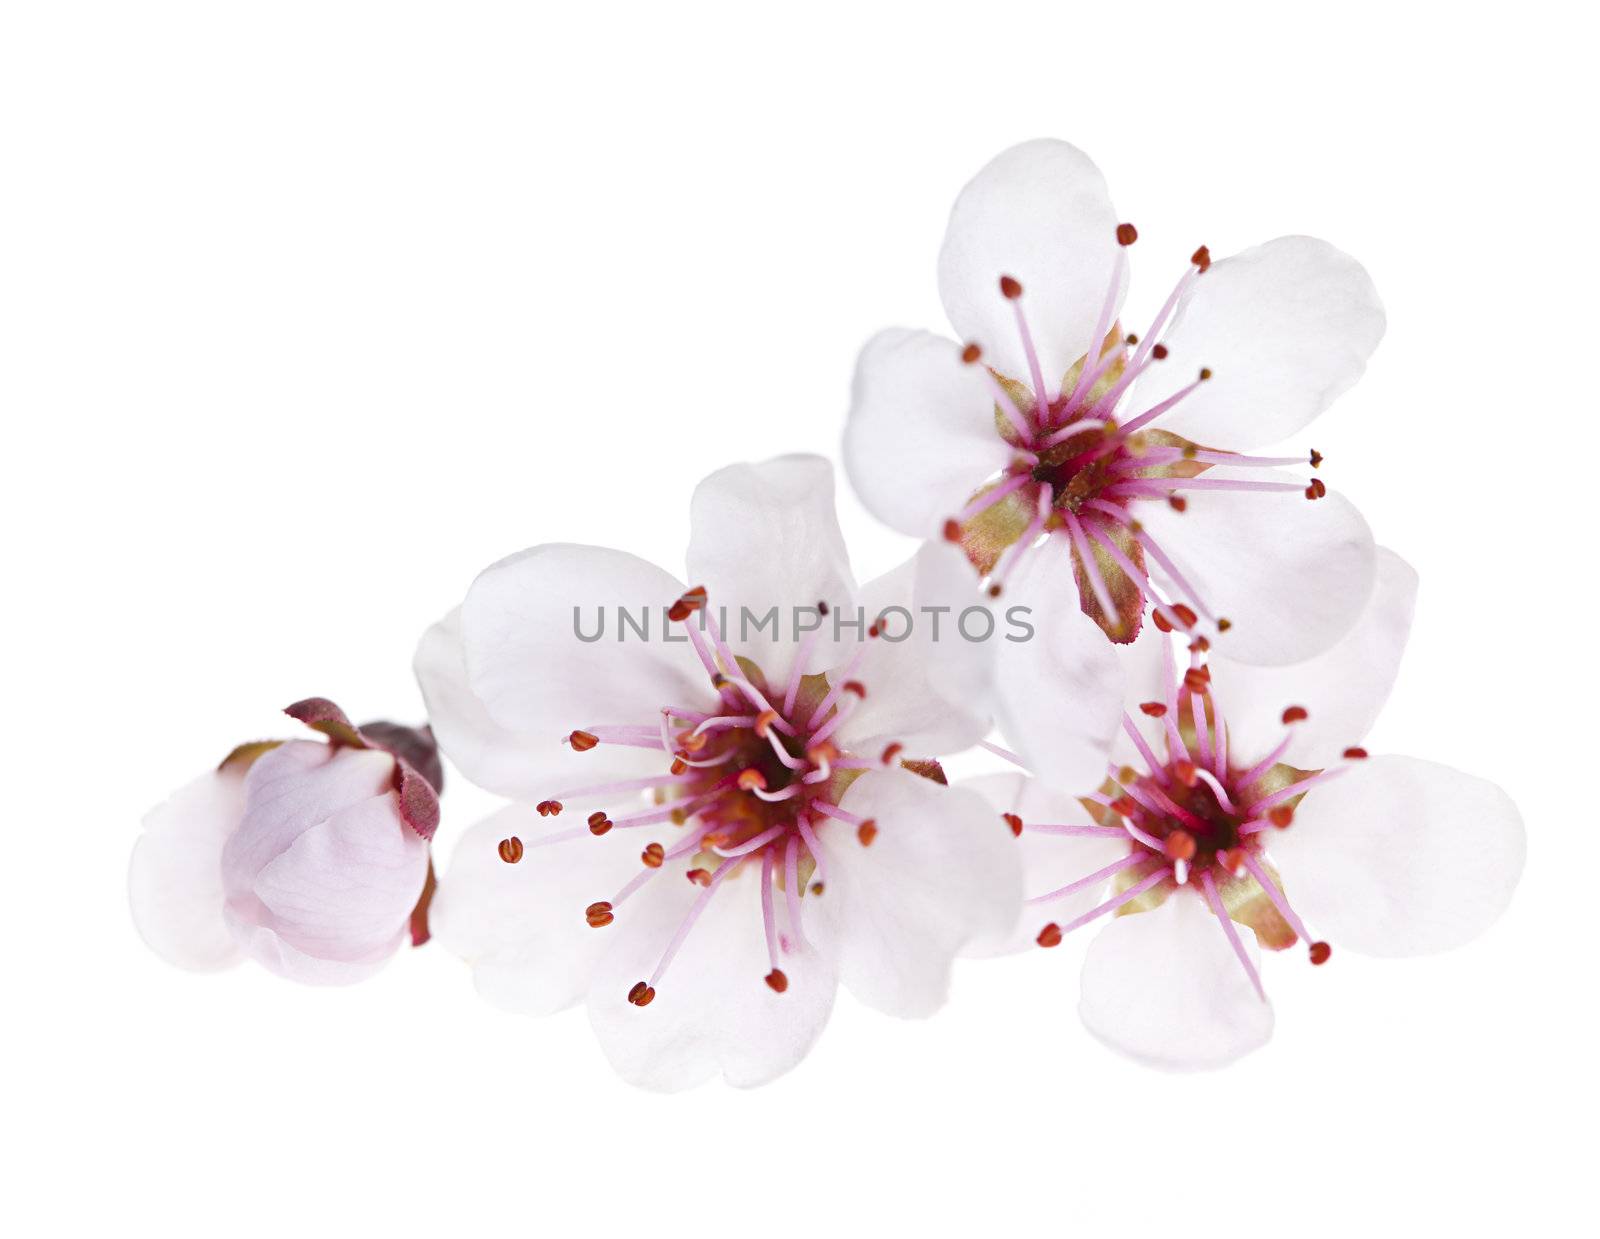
[
  {"x": 1199, "y": 645},
  {"x": 700, "y": 877},
  {"x": 693, "y": 742},
  {"x": 856, "y": 687},
  {"x": 1185, "y": 614},
  {"x": 875, "y": 629},
  {"x": 867, "y": 832},
  {"x": 511, "y": 850},
  {"x": 1177, "y": 503},
  {"x": 1009, "y": 288},
  {"x": 1231, "y": 860},
  {"x": 1195, "y": 679},
  {"x": 1316, "y": 458},
  {"x": 549, "y": 808},
  {"x": 971, "y": 353},
  {"x": 598, "y": 915},
  {"x": 752, "y": 780},
  {"x": 1162, "y": 622},
  {"x": 816, "y": 888},
  {"x": 653, "y": 855},
  {"x": 688, "y": 604},
  {"x": 582, "y": 741},
  {"x": 1180, "y": 845},
  {"x": 1050, "y": 935},
  {"x": 641, "y": 994},
  {"x": 952, "y": 530},
  {"x": 599, "y": 908},
  {"x": 1319, "y": 952},
  {"x": 776, "y": 981},
  {"x": 599, "y": 823},
  {"x": 1201, "y": 258},
  {"x": 1013, "y": 821},
  {"x": 1355, "y": 753},
  {"x": 822, "y": 607},
  {"x": 1124, "y": 806},
  {"x": 1316, "y": 490},
  {"x": 1205, "y": 374},
  {"x": 1295, "y": 714},
  {"x": 679, "y": 765},
  {"x": 1130, "y": 339},
  {"x": 1159, "y": 352},
  {"x": 1188, "y": 774},
  {"x": 1223, "y": 623},
  {"x": 892, "y": 750},
  {"x": 1127, "y": 234},
  {"x": 1155, "y": 709},
  {"x": 826, "y": 751},
  {"x": 1280, "y": 816},
  {"x": 764, "y": 722}
]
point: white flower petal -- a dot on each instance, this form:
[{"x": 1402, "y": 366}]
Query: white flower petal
[
  {"x": 713, "y": 1011},
  {"x": 1399, "y": 856},
  {"x": 764, "y": 537},
  {"x": 492, "y": 756},
  {"x": 941, "y": 873},
  {"x": 1343, "y": 688},
  {"x": 175, "y": 874},
  {"x": 345, "y": 888},
  {"x": 1293, "y": 575},
  {"x": 1040, "y": 213},
  {"x": 1166, "y": 988},
  {"x": 521, "y": 927},
  {"x": 537, "y": 678},
  {"x": 928, "y": 676},
  {"x": 1285, "y": 328},
  {"x": 288, "y": 791},
  {"x": 1058, "y": 694},
  {"x": 1049, "y": 861},
  {"x": 921, "y": 434}
]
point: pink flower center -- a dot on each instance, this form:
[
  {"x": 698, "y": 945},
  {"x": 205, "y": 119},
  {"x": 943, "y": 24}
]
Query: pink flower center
[
  {"x": 748, "y": 781},
  {"x": 1192, "y": 816},
  {"x": 1082, "y": 468}
]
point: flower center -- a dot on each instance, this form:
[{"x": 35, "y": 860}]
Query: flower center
[
  {"x": 1081, "y": 469},
  {"x": 748, "y": 781},
  {"x": 1194, "y": 817}
]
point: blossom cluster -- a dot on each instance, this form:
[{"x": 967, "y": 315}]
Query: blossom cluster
[{"x": 712, "y": 825}]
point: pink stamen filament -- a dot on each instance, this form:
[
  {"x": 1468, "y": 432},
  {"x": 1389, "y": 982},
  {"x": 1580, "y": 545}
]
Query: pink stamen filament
[
  {"x": 1208, "y": 884},
  {"x": 769, "y": 921},
  {"x": 1099, "y": 875},
  {"x": 1102, "y": 326},
  {"x": 1132, "y": 728},
  {"x": 1278, "y": 900},
  {"x": 753, "y": 845},
  {"x": 1091, "y": 567},
  {"x": 1111, "y": 905},
  {"x": 1040, "y": 395},
  {"x": 791, "y": 886},
  {"x": 698, "y": 907},
  {"x": 1294, "y": 789},
  {"x": 814, "y": 847},
  {"x": 987, "y": 500}
]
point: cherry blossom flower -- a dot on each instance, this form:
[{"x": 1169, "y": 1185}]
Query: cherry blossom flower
[
  {"x": 1051, "y": 433},
  {"x": 1247, "y": 817},
  {"x": 310, "y": 858},
  {"x": 717, "y": 825}
]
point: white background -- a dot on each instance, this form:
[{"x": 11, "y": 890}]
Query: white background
[{"x": 310, "y": 311}]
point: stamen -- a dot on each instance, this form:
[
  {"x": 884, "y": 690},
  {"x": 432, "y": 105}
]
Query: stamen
[
  {"x": 755, "y": 844},
  {"x": 1091, "y": 568},
  {"x": 511, "y": 850},
  {"x": 1099, "y": 875},
  {"x": 1012, "y": 291},
  {"x": 791, "y": 885},
  {"x": 698, "y": 907},
  {"x": 814, "y": 847},
  {"x": 1319, "y": 951},
  {"x": 1210, "y": 887},
  {"x": 769, "y": 921},
  {"x": 1111, "y": 905}
]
